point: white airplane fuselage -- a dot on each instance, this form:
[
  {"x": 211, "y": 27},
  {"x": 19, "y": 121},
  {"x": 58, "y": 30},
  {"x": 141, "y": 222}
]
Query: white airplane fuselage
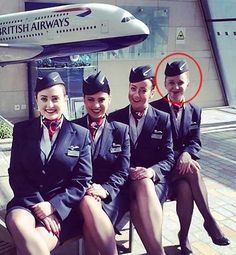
[{"x": 67, "y": 30}]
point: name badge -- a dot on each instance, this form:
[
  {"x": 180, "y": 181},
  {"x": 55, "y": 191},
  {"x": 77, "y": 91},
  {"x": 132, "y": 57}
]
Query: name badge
[
  {"x": 194, "y": 125},
  {"x": 73, "y": 151},
  {"x": 157, "y": 134},
  {"x": 115, "y": 148}
]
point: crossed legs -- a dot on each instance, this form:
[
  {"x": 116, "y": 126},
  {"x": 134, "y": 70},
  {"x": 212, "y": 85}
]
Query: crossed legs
[
  {"x": 146, "y": 215},
  {"x": 198, "y": 191},
  {"x": 98, "y": 231},
  {"x": 184, "y": 209},
  {"x": 30, "y": 238}
]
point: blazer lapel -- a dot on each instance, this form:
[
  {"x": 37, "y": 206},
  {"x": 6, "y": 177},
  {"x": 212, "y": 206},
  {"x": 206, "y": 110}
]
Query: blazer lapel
[
  {"x": 105, "y": 140},
  {"x": 63, "y": 141},
  {"x": 174, "y": 123},
  {"x": 186, "y": 120},
  {"x": 149, "y": 124},
  {"x": 168, "y": 109}
]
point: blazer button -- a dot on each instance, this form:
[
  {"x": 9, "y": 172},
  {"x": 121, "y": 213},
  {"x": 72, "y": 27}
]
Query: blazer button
[{"x": 43, "y": 172}]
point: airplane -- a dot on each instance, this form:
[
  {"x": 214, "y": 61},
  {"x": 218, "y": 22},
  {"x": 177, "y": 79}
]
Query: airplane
[{"x": 67, "y": 30}]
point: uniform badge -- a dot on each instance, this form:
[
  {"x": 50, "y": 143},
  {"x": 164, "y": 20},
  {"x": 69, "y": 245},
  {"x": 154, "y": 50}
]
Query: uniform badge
[
  {"x": 115, "y": 148},
  {"x": 157, "y": 134},
  {"x": 73, "y": 151},
  {"x": 193, "y": 125}
]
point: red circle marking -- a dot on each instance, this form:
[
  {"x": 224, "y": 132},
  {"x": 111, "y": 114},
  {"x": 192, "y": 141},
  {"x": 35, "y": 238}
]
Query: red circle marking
[{"x": 199, "y": 70}]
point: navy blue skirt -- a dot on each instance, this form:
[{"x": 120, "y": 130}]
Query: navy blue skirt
[{"x": 71, "y": 227}]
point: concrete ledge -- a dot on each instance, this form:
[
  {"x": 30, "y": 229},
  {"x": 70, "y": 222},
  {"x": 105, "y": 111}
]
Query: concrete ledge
[{"x": 5, "y": 144}]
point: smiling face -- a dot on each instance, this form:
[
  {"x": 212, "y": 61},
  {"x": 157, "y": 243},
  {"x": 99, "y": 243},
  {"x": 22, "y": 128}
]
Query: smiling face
[
  {"x": 176, "y": 86},
  {"x": 140, "y": 93},
  {"x": 97, "y": 104},
  {"x": 51, "y": 101}
]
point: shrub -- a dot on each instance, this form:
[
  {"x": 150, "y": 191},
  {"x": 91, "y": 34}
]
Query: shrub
[{"x": 5, "y": 130}]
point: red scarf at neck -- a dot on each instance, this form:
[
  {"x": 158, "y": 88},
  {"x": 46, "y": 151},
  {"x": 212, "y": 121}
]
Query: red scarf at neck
[
  {"x": 52, "y": 125},
  {"x": 94, "y": 126}
]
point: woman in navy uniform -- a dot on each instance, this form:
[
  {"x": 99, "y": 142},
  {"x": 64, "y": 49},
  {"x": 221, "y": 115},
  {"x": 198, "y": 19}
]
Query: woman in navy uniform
[
  {"x": 110, "y": 156},
  {"x": 49, "y": 172},
  {"x": 151, "y": 158},
  {"x": 188, "y": 184}
]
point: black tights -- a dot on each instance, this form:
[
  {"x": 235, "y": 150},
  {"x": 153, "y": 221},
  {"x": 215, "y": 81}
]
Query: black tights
[{"x": 188, "y": 188}]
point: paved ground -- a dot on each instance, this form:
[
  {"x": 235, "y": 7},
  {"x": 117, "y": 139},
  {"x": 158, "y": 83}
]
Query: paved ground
[{"x": 218, "y": 163}]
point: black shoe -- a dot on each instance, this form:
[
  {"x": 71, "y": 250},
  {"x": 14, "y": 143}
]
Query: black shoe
[
  {"x": 223, "y": 240},
  {"x": 186, "y": 251},
  {"x": 220, "y": 241},
  {"x": 183, "y": 245}
]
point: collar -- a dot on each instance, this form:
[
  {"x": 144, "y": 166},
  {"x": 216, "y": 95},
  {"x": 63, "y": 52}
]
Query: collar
[
  {"x": 42, "y": 125},
  {"x": 103, "y": 123},
  {"x": 170, "y": 104},
  {"x": 144, "y": 114}
]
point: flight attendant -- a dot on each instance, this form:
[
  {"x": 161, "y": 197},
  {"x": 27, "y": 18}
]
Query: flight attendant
[
  {"x": 187, "y": 181},
  {"x": 50, "y": 169},
  {"x": 110, "y": 157},
  {"x": 151, "y": 158}
]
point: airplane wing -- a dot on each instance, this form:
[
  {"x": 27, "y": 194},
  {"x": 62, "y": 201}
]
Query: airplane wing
[{"x": 18, "y": 52}]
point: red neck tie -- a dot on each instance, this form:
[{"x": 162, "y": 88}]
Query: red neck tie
[
  {"x": 51, "y": 125},
  {"x": 94, "y": 126},
  {"x": 137, "y": 115}
]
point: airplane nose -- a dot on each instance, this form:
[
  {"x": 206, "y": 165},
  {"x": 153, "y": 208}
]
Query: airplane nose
[
  {"x": 143, "y": 28},
  {"x": 140, "y": 32}
]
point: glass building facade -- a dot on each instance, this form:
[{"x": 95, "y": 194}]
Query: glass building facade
[{"x": 220, "y": 17}]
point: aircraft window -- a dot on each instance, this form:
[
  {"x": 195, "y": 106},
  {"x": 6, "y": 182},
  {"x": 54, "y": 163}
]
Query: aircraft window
[
  {"x": 234, "y": 33},
  {"x": 95, "y": 27},
  {"x": 218, "y": 33},
  {"x": 84, "y": 28},
  {"x": 125, "y": 19},
  {"x": 80, "y": 28},
  {"x": 91, "y": 27},
  {"x": 87, "y": 27},
  {"x": 226, "y": 33}
]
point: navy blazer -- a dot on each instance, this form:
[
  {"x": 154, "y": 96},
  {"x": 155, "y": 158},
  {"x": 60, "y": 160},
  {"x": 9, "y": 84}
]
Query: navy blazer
[
  {"x": 111, "y": 162},
  {"x": 62, "y": 180},
  {"x": 188, "y": 137},
  {"x": 154, "y": 144}
]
